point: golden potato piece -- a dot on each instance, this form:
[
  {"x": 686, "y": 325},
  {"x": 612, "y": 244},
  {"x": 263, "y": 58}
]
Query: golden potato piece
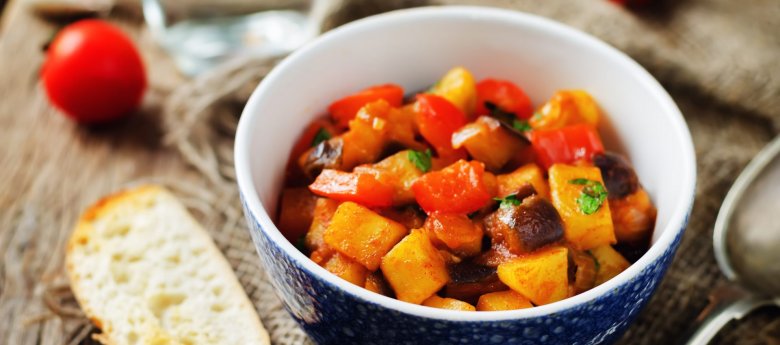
[
  {"x": 397, "y": 171},
  {"x": 541, "y": 276},
  {"x": 583, "y": 231},
  {"x": 414, "y": 268},
  {"x": 530, "y": 174},
  {"x": 362, "y": 234},
  {"x": 458, "y": 87},
  {"x": 448, "y": 303},
  {"x": 488, "y": 142},
  {"x": 609, "y": 263},
  {"x": 502, "y": 300},
  {"x": 347, "y": 269}
]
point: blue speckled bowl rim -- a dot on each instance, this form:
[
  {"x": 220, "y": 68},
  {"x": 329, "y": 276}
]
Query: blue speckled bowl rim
[{"x": 673, "y": 229}]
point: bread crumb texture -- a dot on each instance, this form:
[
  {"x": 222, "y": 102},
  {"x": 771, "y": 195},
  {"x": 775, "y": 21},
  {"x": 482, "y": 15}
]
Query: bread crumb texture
[{"x": 147, "y": 273}]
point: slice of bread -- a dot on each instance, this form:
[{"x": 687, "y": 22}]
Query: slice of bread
[{"x": 145, "y": 272}]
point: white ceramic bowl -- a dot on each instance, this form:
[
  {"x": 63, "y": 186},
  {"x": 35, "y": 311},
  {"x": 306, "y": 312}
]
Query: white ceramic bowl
[{"x": 414, "y": 48}]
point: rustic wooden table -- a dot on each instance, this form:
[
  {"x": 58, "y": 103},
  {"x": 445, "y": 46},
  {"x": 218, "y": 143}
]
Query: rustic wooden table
[{"x": 51, "y": 168}]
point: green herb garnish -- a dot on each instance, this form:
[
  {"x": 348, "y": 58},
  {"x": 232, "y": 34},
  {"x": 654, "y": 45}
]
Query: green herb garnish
[
  {"x": 422, "y": 160},
  {"x": 508, "y": 201},
  {"x": 508, "y": 120},
  {"x": 521, "y": 125},
  {"x": 592, "y": 196},
  {"x": 321, "y": 136},
  {"x": 537, "y": 115}
]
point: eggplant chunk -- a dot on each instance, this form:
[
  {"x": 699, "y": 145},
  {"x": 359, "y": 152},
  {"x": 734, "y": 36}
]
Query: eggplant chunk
[
  {"x": 582, "y": 266},
  {"x": 326, "y": 155},
  {"x": 526, "y": 227},
  {"x": 469, "y": 280},
  {"x": 619, "y": 177}
]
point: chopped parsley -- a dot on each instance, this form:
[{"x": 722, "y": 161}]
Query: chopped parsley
[
  {"x": 592, "y": 197},
  {"x": 508, "y": 201},
  {"x": 422, "y": 160},
  {"x": 521, "y": 125},
  {"x": 321, "y": 136},
  {"x": 537, "y": 115}
]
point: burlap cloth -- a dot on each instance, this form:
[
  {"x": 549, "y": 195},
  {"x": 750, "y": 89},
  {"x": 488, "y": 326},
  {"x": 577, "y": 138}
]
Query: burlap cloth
[{"x": 720, "y": 60}]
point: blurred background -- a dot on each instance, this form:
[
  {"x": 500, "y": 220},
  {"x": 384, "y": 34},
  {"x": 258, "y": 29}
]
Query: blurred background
[{"x": 719, "y": 59}]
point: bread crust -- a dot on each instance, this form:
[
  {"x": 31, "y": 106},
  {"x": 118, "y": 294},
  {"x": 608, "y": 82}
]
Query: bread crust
[{"x": 133, "y": 198}]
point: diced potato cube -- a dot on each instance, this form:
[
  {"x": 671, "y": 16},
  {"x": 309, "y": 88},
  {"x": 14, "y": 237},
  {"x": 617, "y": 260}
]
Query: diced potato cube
[
  {"x": 296, "y": 212},
  {"x": 402, "y": 127},
  {"x": 488, "y": 142},
  {"x": 609, "y": 263},
  {"x": 375, "y": 282},
  {"x": 567, "y": 107},
  {"x": 583, "y": 231},
  {"x": 362, "y": 234},
  {"x": 447, "y": 303},
  {"x": 366, "y": 138},
  {"x": 530, "y": 174},
  {"x": 347, "y": 269},
  {"x": 456, "y": 232},
  {"x": 324, "y": 209},
  {"x": 541, "y": 276},
  {"x": 458, "y": 87},
  {"x": 414, "y": 268},
  {"x": 502, "y": 300},
  {"x": 396, "y": 171}
]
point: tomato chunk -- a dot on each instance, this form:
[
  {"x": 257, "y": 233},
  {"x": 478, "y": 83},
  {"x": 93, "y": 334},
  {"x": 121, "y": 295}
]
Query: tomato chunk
[
  {"x": 438, "y": 119},
  {"x": 504, "y": 94},
  {"x": 566, "y": 145},
  {"x": 346, "y": 108},
  {"x": 458, "y": 188},
  {"x": 362, "y": 188}
]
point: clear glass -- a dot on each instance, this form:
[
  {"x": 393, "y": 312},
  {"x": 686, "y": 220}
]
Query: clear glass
[{"x": 202, "y": 33}]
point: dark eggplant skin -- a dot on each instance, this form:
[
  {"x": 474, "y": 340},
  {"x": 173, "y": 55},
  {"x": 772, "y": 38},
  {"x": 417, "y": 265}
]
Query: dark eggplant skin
[
  {"x": 525, "y": 191},
  {"x": 619, "y": 176},
  {"x": 326, "y": 155},
  {"x": 469, "y": 280},
  {"x": 524, "y": 228}
]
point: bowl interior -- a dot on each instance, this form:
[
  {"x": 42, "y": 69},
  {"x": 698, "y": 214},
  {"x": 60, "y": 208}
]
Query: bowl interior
[{"x": 414, "y": 48}]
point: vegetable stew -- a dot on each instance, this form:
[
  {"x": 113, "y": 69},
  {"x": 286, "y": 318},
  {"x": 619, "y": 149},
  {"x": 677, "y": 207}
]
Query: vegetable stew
[{"x": 464, "y": 196}]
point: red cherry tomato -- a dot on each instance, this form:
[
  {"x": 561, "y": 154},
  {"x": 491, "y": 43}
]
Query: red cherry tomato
[
  {"x": 566, "y": 145},
  {"x": 438, "y": 119},
  {"x": 506, "y": 95},
  {"x": 346, "y": 108},
  {"x": 93, "y": 72}
]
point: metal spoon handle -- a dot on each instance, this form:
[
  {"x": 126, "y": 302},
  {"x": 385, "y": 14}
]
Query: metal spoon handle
[{"x": 723, "y": 307}]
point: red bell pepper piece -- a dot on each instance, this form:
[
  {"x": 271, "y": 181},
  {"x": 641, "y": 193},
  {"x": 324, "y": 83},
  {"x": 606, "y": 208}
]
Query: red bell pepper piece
[
  {"x": 346, "y": 108},
  {"x": 566, "y": 145},
  {"x": 458, "y": 188},
  {"x": 438, "y": 119},
  {"x": 504, "y": 94},
  {"x": 359, "y": 187}
]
